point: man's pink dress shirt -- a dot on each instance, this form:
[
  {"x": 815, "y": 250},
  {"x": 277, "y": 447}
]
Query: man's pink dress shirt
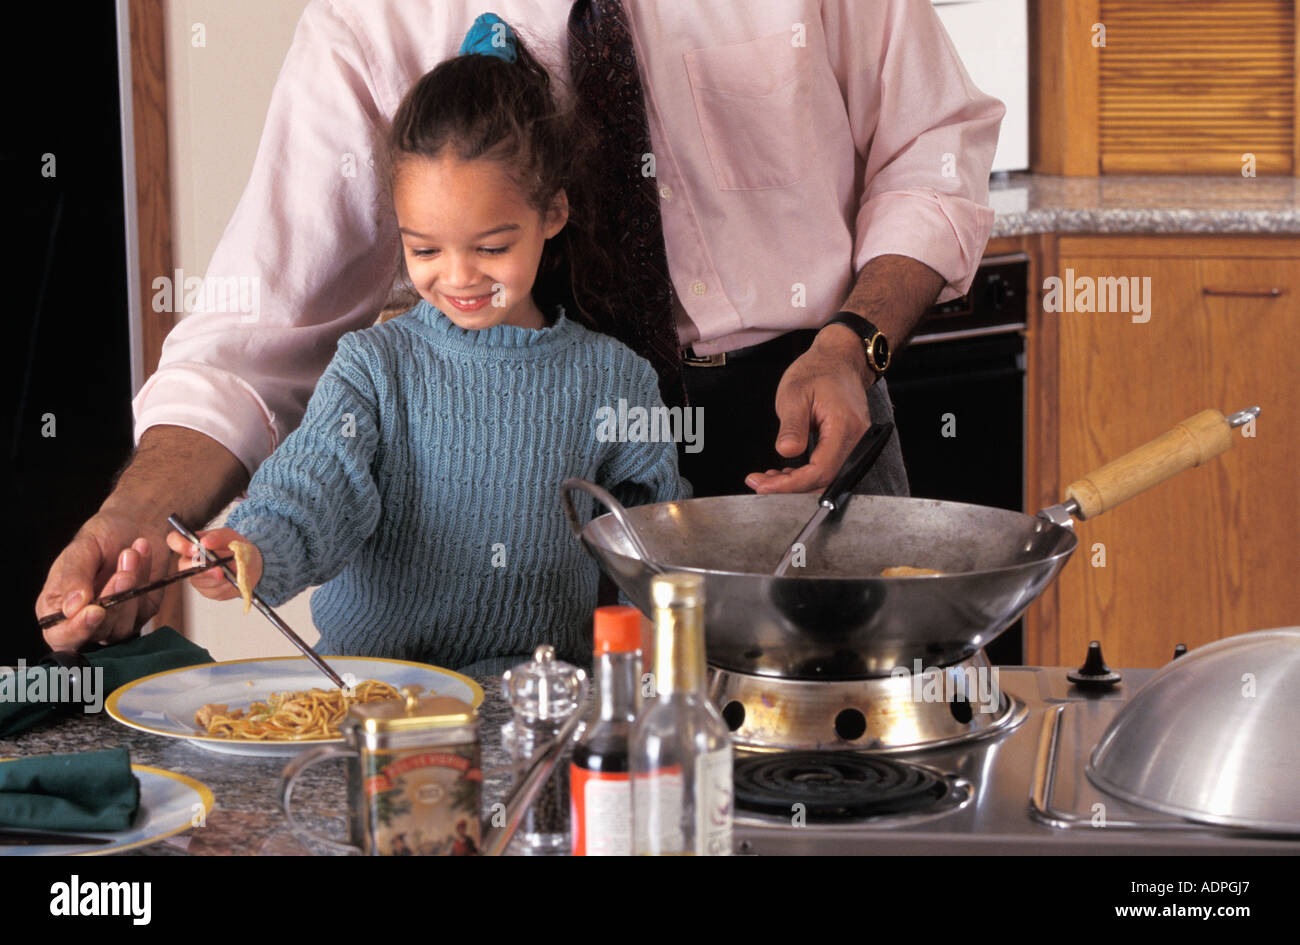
[{"x": 794, "y": 140}]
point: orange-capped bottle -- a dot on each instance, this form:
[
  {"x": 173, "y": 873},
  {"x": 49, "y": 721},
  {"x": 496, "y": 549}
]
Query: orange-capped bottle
[{"x": 600, "y": 792}]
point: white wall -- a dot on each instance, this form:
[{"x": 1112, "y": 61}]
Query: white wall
[{"x": 217, "y": 95}]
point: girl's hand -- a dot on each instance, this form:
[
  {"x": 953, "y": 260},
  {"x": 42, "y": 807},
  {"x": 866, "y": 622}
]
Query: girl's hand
[{"x": 212, "y": 583}]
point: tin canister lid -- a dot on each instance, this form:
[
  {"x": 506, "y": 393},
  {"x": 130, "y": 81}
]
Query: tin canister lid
[{"x": 411, "y": 712}]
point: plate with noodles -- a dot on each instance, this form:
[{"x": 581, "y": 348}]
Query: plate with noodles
[{"x": 274, "y": 706}]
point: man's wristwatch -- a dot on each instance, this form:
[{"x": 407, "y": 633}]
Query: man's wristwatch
[{"x": 873, "y": 339}]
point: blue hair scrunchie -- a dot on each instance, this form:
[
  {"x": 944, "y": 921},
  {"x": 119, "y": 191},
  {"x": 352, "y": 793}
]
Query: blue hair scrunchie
[{"x": 490, "y": 36}]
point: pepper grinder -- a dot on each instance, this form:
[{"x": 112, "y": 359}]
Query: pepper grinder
[{"x": 543, "y": 693}]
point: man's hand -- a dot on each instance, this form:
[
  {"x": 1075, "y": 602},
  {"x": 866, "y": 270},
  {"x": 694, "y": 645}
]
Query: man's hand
[
  {"x": 826, "y": 387},
  {"x": 125, "y": 544},
  {"x": 109, "y": 554}
]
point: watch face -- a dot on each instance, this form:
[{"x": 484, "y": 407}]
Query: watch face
[{"x": 880, "y": 351}]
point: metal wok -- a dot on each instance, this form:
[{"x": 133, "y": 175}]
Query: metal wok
[{"x": 837, "y": 618}]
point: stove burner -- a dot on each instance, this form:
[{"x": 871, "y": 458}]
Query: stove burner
[{"x": 834, "y": 785}]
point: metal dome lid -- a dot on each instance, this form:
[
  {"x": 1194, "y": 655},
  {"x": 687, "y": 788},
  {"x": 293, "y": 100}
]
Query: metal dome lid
[{"x": 1213, "y": 737}]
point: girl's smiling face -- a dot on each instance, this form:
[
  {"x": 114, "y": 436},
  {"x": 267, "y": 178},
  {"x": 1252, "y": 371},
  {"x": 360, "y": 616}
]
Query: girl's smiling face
[{"x": 471, "y": 241}]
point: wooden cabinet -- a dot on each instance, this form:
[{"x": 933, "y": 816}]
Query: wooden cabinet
[
  {"x": 1154, "y": 87},
  {"x": 1216, "y": 551}
]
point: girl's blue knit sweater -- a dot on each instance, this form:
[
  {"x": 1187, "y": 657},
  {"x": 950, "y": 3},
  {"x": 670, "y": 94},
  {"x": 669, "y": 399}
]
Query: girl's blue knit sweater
[{"x": 422, "y": 488}]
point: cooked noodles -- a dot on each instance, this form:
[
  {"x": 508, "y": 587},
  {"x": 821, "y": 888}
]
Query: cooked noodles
[
  {"x": 243, "y": 552},
  {"x": 291, "y": 716}
]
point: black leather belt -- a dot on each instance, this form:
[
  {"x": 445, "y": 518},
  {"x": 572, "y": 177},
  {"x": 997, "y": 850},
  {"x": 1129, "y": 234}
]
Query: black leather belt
[{"x": 785, "y": 347}]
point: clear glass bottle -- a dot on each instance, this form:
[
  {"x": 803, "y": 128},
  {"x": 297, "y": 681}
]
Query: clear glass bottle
[
  {"x": 600, "y": 792},
  {"x": 542, "y": 693},
  {"x": 680, "y": 753}
]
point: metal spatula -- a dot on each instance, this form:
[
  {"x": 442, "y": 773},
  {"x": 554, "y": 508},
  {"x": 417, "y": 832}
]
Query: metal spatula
[{"x": 862, "y": 458}]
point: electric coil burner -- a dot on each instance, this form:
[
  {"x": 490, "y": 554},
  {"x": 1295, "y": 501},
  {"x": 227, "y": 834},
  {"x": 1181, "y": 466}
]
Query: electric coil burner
[{"x": 824, "y": 786}]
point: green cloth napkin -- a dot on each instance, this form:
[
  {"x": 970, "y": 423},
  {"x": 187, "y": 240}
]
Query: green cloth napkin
[
  {"x": 112, "y": 667},
  {"x": 89, "y": 790}
]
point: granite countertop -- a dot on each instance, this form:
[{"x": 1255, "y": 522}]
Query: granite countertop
[
  {"x": 247, "y": 819},
  {"x": 1040, "y": 203}
]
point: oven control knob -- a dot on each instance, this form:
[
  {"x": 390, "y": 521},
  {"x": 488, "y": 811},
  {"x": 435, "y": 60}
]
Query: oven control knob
[
  {"x": 997, "y": 294},
  {"x": 1094, "y": 673}
]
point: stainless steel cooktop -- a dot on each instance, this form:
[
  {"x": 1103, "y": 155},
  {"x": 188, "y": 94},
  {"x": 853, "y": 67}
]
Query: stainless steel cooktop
[{"x": 989, "y": 808}]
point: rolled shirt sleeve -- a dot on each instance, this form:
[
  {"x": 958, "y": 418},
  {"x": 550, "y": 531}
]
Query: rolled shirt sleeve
[
  {"x": 927, "y": 134},
  {"x": 308, "y": 255}
]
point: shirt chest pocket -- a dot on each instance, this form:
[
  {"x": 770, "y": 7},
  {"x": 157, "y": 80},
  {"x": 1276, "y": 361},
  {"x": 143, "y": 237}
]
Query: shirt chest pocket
[{"x": 756, "y": 107}]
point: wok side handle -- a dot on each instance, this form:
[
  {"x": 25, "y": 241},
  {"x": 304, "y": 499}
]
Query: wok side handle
[
  {"x": 1191, "y": 443},
  {"x": 616, "y": 509}
]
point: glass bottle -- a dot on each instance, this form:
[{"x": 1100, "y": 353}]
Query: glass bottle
[
  {"x": 600, "y": 794},
  {"x": 680, "y": 754},
  {"x": 542, "y": 693}
]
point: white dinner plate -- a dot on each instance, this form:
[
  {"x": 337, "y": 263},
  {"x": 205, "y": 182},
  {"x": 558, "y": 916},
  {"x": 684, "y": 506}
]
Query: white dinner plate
[
  {"x": 165, "y": 703},
  {"x": 169, "y": 803}
]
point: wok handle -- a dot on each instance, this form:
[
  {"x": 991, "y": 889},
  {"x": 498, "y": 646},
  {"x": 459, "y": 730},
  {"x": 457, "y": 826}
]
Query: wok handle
[
  {"x": 615, "y": 507},
  {"x": 1189, "y": 444}
]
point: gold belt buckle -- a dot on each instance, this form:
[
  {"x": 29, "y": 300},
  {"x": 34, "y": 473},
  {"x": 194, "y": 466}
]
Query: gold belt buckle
[{"x": 703, "y": 360}]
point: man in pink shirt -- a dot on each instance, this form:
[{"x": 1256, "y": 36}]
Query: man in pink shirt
[{"x": 811, "y": 157}]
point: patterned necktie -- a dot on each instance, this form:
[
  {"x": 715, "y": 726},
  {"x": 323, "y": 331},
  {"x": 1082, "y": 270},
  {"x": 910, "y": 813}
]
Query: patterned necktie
[{"x": 609, "y": 97}]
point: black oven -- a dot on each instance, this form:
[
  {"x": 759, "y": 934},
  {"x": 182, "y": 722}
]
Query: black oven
[{"x": 959, "y": 402}]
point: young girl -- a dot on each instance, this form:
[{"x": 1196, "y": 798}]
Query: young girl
[{"x": 422, "y": 487}]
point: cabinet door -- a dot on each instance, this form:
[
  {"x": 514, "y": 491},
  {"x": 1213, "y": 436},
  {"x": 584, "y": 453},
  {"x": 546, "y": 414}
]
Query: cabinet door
[{"x": 1213, "y": 552}]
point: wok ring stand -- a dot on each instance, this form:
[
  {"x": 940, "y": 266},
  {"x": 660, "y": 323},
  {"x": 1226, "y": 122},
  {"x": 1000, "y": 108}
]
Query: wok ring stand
[{"x": 889, "y": 714}]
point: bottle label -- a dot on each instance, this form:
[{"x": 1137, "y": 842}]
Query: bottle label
[
  {"x": 601, "y": 807},
  {"x": 661, "y": 802},
  {"x": 713, "y": 794}
]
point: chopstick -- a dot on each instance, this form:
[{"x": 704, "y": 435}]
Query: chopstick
[
  {"x": 261, "y": 605},
  {"x": 12, "y": 837},
  {"x": 112, "y": 600}
]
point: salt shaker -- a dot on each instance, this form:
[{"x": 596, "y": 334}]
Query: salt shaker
[{"x": 543, "y": 693}]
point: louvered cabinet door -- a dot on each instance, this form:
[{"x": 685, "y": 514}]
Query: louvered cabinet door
[{"x": 1165, "y": 86}]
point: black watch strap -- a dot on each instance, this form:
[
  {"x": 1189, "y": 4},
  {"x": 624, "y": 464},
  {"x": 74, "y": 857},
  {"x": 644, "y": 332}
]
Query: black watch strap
[{"x": 873, "y": 339}]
